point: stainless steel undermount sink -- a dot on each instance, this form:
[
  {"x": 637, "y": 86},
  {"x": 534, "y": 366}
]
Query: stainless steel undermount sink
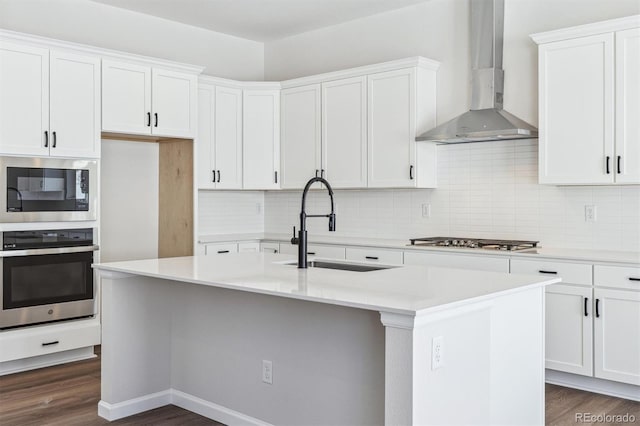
[{"x": 343, "y": 266}]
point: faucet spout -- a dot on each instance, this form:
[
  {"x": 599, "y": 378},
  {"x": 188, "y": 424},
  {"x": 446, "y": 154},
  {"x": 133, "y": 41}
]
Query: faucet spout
[{"x": 302, "y": 233}]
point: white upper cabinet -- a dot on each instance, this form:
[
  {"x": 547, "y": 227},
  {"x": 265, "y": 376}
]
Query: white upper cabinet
[
  {"x": 628, "y": 106},
  {"x": 142, "y": 100},
  {"x": 204, "y": 140},
  {"x": 589, "y": 91},
  {"x": 300, "y": 141},
  {"x": 75, "y": 105},
  {"x": 261, "y": 138},
  {"x": 49, "y": 102},
  {"x": 344, "y": 132},
  {"x": 227, "y": 131}
]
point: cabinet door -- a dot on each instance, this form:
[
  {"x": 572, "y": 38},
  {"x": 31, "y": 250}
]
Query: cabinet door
[
  {"x": 576, "y": 91},
  {"x": 126, "y": 98},
  {"x": 173, "y": 103},
  {"x": 628, "y": 106},
  {"x": 300, "y": 135},
  {"x": 568, "y": 331},
  {"x": 227, "y": 131},
  {"x": 221, "y": 248},
  {"x": 617, "y": 335},
  {"x": 392, "y": 128},
  {"x": 261, "y": 139},
  {"x": 204, "y": 138},
  {"x": 75, "y": 105},
  {"x": 24, "y": 99},
  {"x": 344, "y": 132}
]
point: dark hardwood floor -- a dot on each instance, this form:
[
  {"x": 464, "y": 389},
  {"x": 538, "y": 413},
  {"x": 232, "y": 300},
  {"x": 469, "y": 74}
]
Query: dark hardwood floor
[{"x": 68, "y": 395}]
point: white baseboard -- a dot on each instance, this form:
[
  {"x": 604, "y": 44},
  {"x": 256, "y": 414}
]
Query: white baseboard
[
  {"x": 41, "y": 361},
  {"x": 593, "y": 384},
  {"x": 213, "y": 411},
  {"x": 180, "y": 399},
  {"x": 130, "y": 407}
]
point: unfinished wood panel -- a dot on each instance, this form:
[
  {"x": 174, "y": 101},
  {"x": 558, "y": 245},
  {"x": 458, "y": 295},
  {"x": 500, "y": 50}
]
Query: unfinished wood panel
[{"x": 175, "y": 210}]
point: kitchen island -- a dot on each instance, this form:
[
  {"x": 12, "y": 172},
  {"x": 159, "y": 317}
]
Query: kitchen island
[{"x": 398, "y": 346}]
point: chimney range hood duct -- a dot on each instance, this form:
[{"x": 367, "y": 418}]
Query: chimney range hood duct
[{"x": 486, "y": 121}]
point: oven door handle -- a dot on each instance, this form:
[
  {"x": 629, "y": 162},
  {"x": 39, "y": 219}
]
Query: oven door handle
[{"x": 56, "y": 250}]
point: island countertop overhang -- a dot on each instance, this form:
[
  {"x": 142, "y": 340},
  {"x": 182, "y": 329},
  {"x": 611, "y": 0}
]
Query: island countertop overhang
[{"x": 406, "y": 290}]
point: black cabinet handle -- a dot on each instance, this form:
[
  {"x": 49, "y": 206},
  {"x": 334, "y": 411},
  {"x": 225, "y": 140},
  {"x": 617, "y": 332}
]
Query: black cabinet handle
[
  {"x": 548, "y": 272},
  {"x": 634, "y": 279},
  {"x": 55, "y": 342},
  {"x": 223, "y": 251},
  {"x": 608, "y": 161},
  {"x": 156, "y": 117},
  {"x": 276, "y": 176},
  {"x": 619, "y": 164},
  {"x": 371, "y": 257},
  {"x": 586, "y": 300},
  {"x": 218, "y": 176},
  {"x": 148, "y": 119},
  {"x": 411, "y": 172},
  {"x": 55, "y": 139},
  {"x": 46, "y": 139},
  {"x": 214, "y": 176},
  {"x": 597, "y": 308},
  {"x": 311, "y": 252}
]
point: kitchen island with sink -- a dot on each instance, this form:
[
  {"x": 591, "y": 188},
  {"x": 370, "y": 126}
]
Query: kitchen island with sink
[{"x": 251, "y": 339}]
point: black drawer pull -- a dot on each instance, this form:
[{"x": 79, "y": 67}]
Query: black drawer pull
[
  {"x": 311, "y": 252},
  {"x": 548, "y": 272},
  {"x": 586, "y": 300},
  {"x": 608, "y": 161},
  {"x": 371, "y": 257},
  {"x": 634, "y": 279},
  {"x": 55, "y": 342},
  {"x": 597, "y": 308},
  {"x": 619, "y": 166},
  {"x": 411, "y": 172},
  {"x": 223, "y": 251}
]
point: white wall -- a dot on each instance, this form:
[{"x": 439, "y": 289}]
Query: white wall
[
  {"x": 486, "y": 189},
  {"x": 128, "y": 201},
  {"x": 96, "y": 24}
]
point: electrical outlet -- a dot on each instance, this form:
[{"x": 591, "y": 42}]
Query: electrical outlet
[
  {"x": 426, "y": 210},
  {"x": 589, "y": 213},
  {"x": 437, "y": 352},
  {"x": 267, "y": 371}
]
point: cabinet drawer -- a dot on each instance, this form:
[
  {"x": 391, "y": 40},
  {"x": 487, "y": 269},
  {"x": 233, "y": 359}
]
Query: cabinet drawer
[
  {"x": 574, "y": 273},
  {"x": 270, "y": 247},
  {"x": 617, "y": 276},
  {"x": 391, "y": 257},
  {"x": 222, "y": 248},
  {"x": 249, "y": 247},
  {"x": 326, "y": 252},
  {"x": 35, "y": 341},
  {"x": 461, "y": 261}
]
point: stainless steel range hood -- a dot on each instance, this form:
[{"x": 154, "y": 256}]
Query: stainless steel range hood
[{"x": 486, "y": 121}]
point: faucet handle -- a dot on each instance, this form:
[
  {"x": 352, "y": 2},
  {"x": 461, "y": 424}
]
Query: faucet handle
[
  {"x": 294, "y": 240},
  {"x": 332, "y": 222}
]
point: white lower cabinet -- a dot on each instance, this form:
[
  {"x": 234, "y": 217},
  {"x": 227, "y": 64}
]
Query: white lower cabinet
[
  {"x": 221, "y": 248},
  {"x": 482, "y": 263},
  {"x": 268, "y": 247},
  {"x": 569, "y": 329},
  {"x": 317, "y": 250},
  {"x": 390, "y": 257},
  {"x": 249, "y": 247}
]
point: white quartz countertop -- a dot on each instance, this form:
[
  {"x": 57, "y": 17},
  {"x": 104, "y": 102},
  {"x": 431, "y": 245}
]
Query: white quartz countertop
[
  {"x": 570, "y": 254},
  {"x": 406, "y": 290}
]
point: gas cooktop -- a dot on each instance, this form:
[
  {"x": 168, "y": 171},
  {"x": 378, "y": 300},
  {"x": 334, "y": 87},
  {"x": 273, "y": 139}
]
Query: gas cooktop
[{"x": 474, "y": 243}]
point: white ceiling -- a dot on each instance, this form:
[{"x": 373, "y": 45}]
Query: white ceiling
[{"x": 260, "y": 20}]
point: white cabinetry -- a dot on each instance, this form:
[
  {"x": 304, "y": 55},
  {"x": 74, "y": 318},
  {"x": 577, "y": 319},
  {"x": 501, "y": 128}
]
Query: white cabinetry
[
  {"x": 344, "y": 132},
  {"x": 388, "y": 257},
  {"x": 589, "y": 104},
  {"x": 300, "y": 141},
  {"x": 569, "y": 314},
  {"x": 459, "y": 261},
  {"x": 401, "y": 105},
  {"x": 219, "y": 140},
  {"x": 49, "y": 103},
  {"x": 617, "y": 323},
  {"x": 261, "y": 138},
  {"x": 139, "y": 99}
]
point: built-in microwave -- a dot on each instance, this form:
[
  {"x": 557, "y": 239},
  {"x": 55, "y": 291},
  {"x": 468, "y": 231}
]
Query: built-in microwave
[{"x": 47, "y": 189}]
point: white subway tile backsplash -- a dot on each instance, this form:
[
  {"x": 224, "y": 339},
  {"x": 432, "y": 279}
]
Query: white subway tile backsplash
[
  {"x": 484, "y": 190},
  {"x": 230, "y": 212}
]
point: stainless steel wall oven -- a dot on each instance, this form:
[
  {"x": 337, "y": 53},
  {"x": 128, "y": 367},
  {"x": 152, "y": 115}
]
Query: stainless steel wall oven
[
  {"x": 46, "y": 276},
  {"x": 47, "y": 189}
]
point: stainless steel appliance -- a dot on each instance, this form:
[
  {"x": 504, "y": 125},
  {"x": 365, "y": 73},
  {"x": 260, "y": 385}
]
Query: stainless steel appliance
[
  {"x": 46, "y": 276},
  {"x": 474, "y": 243},
  {"x": 47, "y": 189}
]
